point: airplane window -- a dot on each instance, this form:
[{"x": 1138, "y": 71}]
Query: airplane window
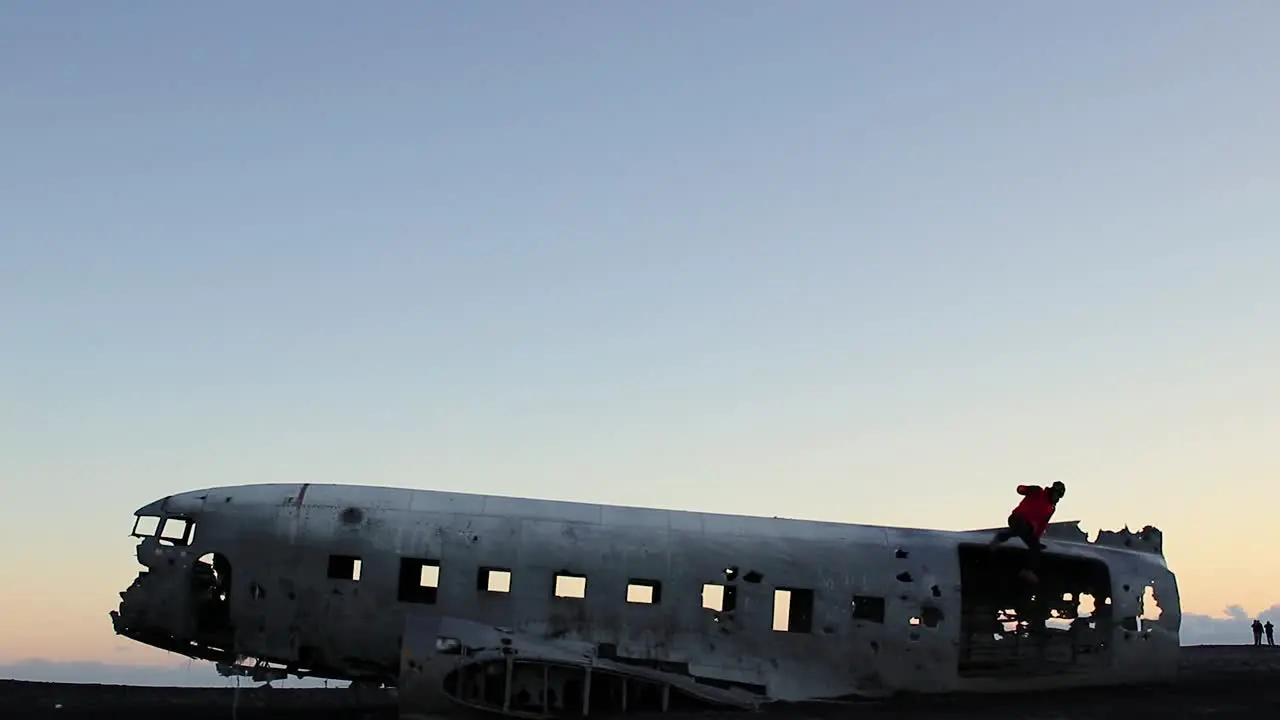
[
  {"x": 177, "y": 531},
  {"x": 793, "y": 610},
  {"x": 720, "y": 598},
  {"x": 868, "y": 607},
  {"x": 494, "y": 579},
  {"x": 644, "y": 592},
  {"x": 429, "y": 576},
  {"x": 146, "y": 526},
  {"x": 419, "y": 581},
  {"x": 570, "y": 586},
  {"x": 344, "y": 567}
]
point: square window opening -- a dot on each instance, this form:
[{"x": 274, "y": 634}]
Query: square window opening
[
  {"x": 419, "y": 581},
  {"x": 793, "y": 610},
  {"x": 570, "y": 585},
  {"x": 868, "y": 608},
  {"x": 644, "y": 592},
  {"x": 720, "y": 598},
  {"x": 494, "y": 580},
  {"x": 344, "y": 567}
]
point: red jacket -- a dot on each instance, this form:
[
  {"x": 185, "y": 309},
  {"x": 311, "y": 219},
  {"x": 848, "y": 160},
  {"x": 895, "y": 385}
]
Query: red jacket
[{"x": 1036, "y": 507}]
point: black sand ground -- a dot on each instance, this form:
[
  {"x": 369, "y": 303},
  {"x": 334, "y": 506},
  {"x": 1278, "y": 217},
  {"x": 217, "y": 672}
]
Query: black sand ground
[{"x": 1227, "y": 682}]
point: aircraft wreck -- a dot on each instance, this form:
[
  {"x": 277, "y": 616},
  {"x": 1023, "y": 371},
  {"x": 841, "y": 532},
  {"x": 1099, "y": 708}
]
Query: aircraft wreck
[{"x": 538, "y": 608}]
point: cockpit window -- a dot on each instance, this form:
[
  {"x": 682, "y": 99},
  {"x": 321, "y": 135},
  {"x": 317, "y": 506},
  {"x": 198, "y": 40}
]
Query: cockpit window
[
  {"x": 177, "y": 531},
  {"x": 146, "y": 526}
]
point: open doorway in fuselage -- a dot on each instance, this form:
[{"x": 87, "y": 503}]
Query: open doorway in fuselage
[
  {"x": 211, "y": 599},
  {"x": 1011, "y": 628}
]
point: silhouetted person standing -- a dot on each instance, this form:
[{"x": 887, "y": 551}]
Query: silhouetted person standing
[
  {"x": 1271, "y": 633},
  {"x": 1257, "y": 632}
]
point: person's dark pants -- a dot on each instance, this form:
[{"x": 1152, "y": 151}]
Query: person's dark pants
[{"x": 1021, "y": 529}]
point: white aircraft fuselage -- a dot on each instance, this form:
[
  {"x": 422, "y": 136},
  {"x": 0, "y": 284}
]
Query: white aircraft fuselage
[{"x": 437, "y": 589}]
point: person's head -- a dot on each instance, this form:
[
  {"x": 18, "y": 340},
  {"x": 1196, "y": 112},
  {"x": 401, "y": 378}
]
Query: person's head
[{"x": 1057, "y": 490}]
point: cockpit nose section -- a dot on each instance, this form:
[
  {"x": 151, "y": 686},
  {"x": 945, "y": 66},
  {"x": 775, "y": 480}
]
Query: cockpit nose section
[{"x": 179, "y": 597}]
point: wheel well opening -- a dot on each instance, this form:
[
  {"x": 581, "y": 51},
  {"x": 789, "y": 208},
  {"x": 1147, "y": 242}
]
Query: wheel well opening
[{"x": 552, "y": 689}]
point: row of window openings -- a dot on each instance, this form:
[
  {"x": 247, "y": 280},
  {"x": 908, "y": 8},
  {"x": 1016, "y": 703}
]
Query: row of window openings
[{"x": 792, "y": 607}]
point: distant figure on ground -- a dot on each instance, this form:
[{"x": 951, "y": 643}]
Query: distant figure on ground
[
  {"x": 1271, "y": 633},
  {"x": 1029, "y": 520},
  {"x": 1257, "y": 632}
]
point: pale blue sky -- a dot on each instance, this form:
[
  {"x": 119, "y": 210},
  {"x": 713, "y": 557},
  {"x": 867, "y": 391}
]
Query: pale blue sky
[{"x": 861, "y": 261}]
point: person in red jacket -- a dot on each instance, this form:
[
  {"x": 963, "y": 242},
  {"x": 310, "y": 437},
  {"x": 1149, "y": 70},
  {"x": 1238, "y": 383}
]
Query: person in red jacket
[{"x": 1030, "y": 519}]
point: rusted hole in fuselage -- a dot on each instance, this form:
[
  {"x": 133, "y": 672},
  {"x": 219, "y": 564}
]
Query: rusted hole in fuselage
[
  {"x": 904, "y": 576},
  {"x": 930, "y": 616},
  {"x": 1150, "y": 607},
  {"x": 901, "y": 554}
]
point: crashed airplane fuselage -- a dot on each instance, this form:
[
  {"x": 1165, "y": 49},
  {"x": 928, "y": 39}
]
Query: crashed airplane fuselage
[{"x": 517, "y": 604}]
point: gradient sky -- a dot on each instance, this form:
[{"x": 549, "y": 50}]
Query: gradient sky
[{"x": 857, "y": 261}]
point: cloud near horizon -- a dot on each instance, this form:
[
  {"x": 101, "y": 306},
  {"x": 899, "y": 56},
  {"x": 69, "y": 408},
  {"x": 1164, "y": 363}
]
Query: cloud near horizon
[{"x": 1229, "y": 628}]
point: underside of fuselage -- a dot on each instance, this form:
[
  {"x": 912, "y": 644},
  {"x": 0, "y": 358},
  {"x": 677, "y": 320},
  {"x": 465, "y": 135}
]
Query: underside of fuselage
[{"x": 540, "y": 608}]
